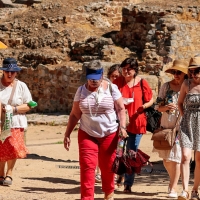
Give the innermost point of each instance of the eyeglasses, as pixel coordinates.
(176, 72)
(195, 71)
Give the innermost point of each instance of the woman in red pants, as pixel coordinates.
(98, 107)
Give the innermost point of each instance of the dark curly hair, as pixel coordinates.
(132, 63)
(113, 68)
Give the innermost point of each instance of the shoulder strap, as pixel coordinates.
(141, 85)
(109, 84)
(13, 91)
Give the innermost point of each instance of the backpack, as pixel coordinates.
(153, 115)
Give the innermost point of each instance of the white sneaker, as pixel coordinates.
(98, 178)
(184, 196)
(173, 195)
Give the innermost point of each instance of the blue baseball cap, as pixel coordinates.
(10, 65)
(92, 74)
(94, 70)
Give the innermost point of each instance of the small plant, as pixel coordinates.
(52, 123)
(59, 142)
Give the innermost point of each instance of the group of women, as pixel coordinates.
(100, 105)
(179, 99)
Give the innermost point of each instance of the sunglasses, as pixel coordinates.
(195, 71)
(9, 71)
(176, 72)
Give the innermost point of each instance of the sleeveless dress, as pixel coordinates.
(190, 124)
(168, 121)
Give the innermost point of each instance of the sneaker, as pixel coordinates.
(173, 195)
(184, 196)
(98, 178)
(195, 195)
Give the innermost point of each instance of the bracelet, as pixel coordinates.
(15, 111)
(123, 127)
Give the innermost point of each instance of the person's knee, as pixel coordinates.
(186, 158)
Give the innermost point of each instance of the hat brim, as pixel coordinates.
(193, 66)
(93, 76)
(182, 69)
(10, 70)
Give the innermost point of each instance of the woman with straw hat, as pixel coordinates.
(190, 128)
(168, 97)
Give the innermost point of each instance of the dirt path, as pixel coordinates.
(50, 172)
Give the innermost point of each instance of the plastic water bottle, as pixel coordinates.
(32, 104)
(171, 113)
(120, 147)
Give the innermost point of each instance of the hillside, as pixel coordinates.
(44, 33)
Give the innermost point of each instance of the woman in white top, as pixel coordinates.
(96, 104)
(13, 147)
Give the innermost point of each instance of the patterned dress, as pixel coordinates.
(168, 121)
(190, 124)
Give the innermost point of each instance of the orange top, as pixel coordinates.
(137, 121)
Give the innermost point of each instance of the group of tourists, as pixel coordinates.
(101, 105)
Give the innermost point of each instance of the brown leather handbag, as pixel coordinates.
(164, 138)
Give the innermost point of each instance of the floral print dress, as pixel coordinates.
(168, 120)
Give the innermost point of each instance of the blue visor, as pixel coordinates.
(92, 74)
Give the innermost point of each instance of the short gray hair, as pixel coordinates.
(94, 64)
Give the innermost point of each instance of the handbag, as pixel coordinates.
(130, 162)
(153, 115)
(164, 138)
(7, 117)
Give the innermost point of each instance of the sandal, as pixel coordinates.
(7, 182)
(2, 180)
(120, 181)
(127, 189)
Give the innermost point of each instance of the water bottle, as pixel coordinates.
(120, 147)
(32, 104)
(171, 112)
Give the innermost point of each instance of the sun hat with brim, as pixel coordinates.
(92, 73)
(194, 62)
(180, 65)
(10, 65)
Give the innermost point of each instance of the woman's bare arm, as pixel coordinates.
(181, 97)
(74, 117)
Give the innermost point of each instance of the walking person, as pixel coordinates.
(137, 97)
(13, 147)
(112, 74)
(96, 107)
(168, 99)
(189, 107)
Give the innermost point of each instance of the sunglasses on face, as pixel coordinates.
(8, 72)
(176, 72)
(194, 71)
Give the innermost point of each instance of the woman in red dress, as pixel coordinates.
(137, 97)
(13, 146)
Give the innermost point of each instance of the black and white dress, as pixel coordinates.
(190, 124)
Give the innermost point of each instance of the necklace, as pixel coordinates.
(96, 106)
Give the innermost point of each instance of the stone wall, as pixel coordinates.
(54, 89)
(159, 36)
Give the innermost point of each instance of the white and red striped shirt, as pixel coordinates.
(98, 115)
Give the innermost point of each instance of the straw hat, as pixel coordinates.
(194, 62)
(180, 65)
